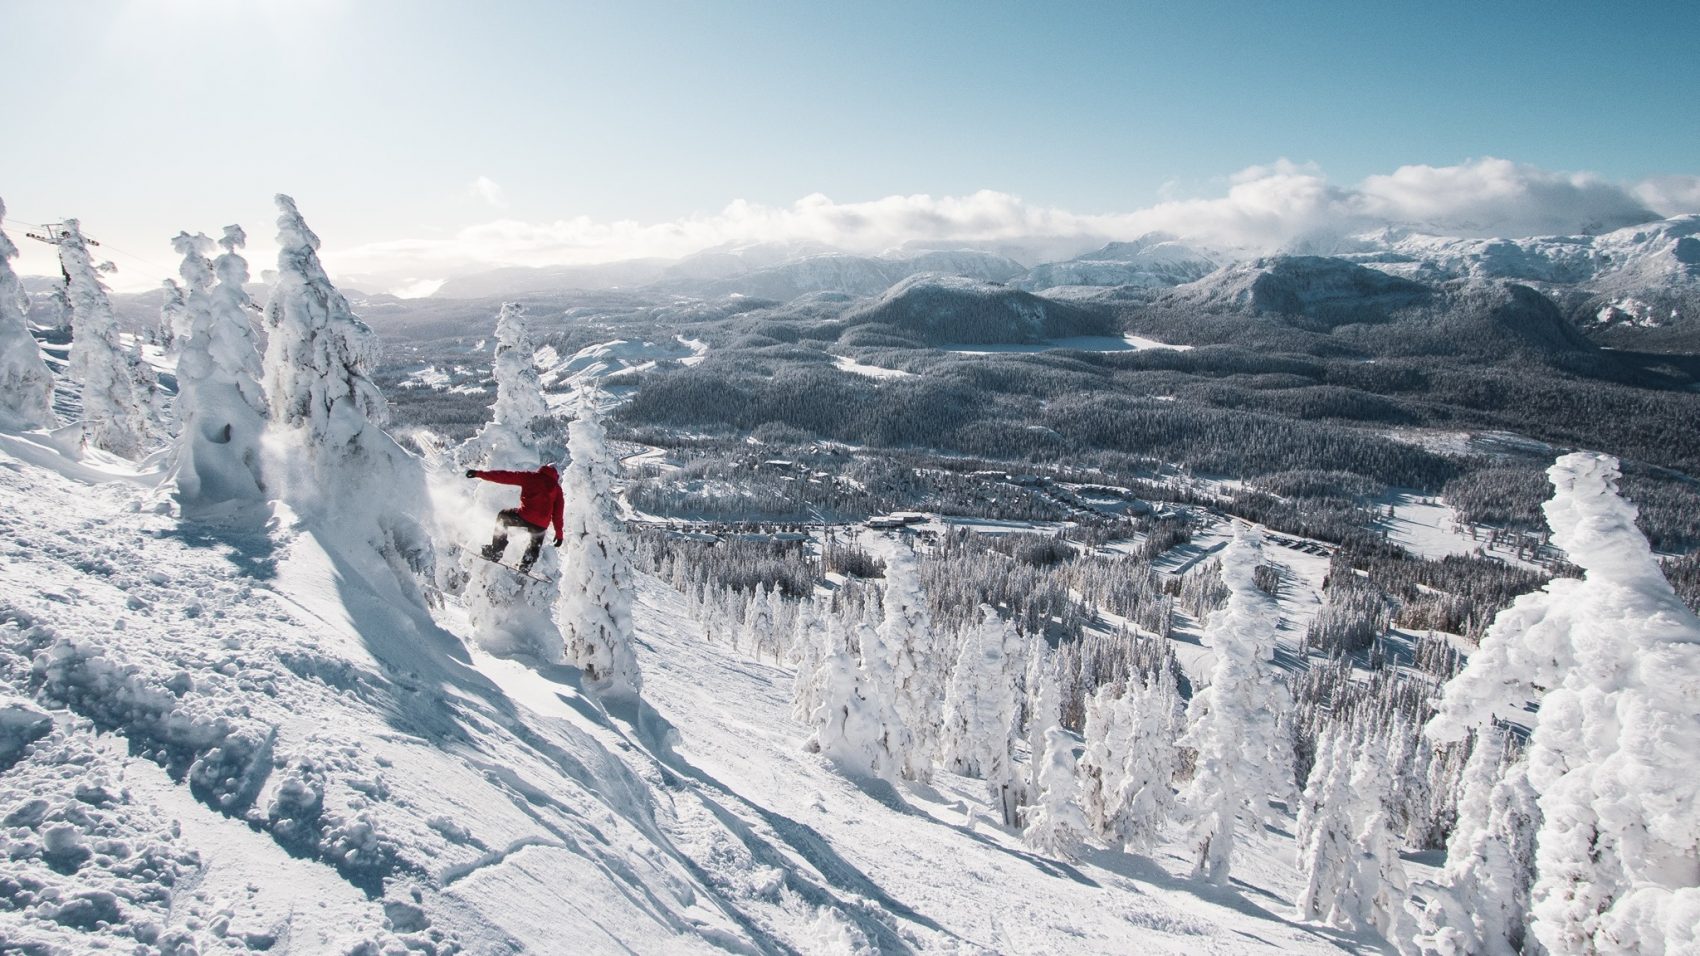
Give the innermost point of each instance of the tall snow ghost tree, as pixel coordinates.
(512, 438)
(1130, 760)
(1348, 850)
(906, 633)
(119, 390)
(816, 633)
(980, 710)
(319, 354)
(335, 460)
(221, 411)
(854, 724)
(595, 604)
(1481, 905)
(1044, 707)
(1238, 725)
(510, 612)
(173, 314)
(1614, 755)
(26, 386)
(1055, 824)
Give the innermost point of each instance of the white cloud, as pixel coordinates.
(1670, 195)
(417, 288)
(490, 191)
(1264, 208)
(1498, 197)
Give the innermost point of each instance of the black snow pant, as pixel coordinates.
(499, 544)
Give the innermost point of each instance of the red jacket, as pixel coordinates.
(540, 501)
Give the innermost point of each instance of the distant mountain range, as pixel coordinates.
(1636, 288)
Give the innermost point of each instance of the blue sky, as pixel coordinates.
(147, 116)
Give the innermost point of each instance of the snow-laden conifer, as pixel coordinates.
(26, 385)
(318, 352)
(220, 409)
(1102, 741)
(511, 612)
(1348, 839)
(981, 708)
(1055, 824)
(1129, 760)
(332, 457)
(120, 414)
(1481, 905)
(594, 609)
(759, 621)
(1324, 828)
(173, 314)
(1612, 754)
(906, 634)
(814, 634)
(1044, 708)
(846, 729)
(1237, 725)
(521, 405)
(856, 724)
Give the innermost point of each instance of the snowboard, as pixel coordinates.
(523, 574)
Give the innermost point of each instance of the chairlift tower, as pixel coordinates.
(57, 234)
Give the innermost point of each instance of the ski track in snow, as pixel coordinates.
(258, 742)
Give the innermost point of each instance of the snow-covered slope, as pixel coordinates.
(1638, 279)
(949, 309)
(1298, 285)
(1651, 254)
(1154, 261)
(842, 272)
(1370, 310)
(241, 737)
(609, 362)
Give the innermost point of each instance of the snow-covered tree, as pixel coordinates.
(1614, 659)
(1324, 828)
(173, 313)
(1238, 724)
(814, 634)
(1129, 761)
(508, 612)
(1481, 905)
(906, 633)
(318, 353)
(595, 605)
(334, 460)
(119, 389)
(54, 312)
(847, 727)
(26, 386)
(514, 436)
(1348, 844)
(221, 412)
(1044, 708)
(759, 624)
(856, 724)
(981, 708)
(1103, 738)
(1055, 824)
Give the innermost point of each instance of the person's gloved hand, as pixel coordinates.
(558, 540)
(472, 473)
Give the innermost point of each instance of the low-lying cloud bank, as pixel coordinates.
(1264, 208)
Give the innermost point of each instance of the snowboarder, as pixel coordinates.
(540, 505)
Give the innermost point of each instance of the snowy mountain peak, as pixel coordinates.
(1299, 285)
(1153, 261)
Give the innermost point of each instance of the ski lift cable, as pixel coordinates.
(93, 242)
